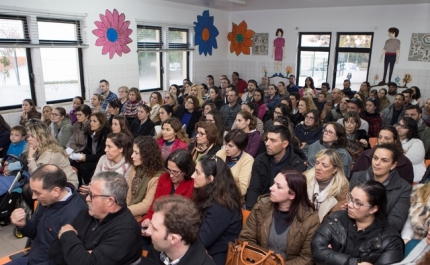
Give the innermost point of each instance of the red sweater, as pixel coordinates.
(164, 187)
(178, 144)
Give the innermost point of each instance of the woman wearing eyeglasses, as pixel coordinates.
(327, 184)
(61, 126)
(144, 175)
(310, 130)
(280, 110)
(189, 114)
(131, 106)
(179, 167)
(361, 235)
(398, 190)
(334, 137)
(413, 147)
(219, 202)
(123, 97)
(207, 140)
(172, 137)
(239, 162)
(284, 220)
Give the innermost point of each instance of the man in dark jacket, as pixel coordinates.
(106, 233)
(58, 205)
(174, 232)
(279, 156)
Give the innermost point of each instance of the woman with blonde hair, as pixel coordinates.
(327, 184)
(304, 106)
(44, 149)
(171, 100)
(172, 137)
(123, 96)
(196, 90)
(46, 114)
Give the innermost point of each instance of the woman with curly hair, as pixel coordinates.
(304, 105)
(146, 170)
(172, 137)
(216, 195)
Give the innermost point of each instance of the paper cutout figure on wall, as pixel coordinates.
(391, 52)
(278, 52)
(205, 33)
(113, 33)
(240, 38)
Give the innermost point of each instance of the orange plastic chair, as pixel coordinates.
(373, 141)
(427, 162)
(245, 214)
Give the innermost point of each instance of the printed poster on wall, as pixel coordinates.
(260, 44)
(420, 47)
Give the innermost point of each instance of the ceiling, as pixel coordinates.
(227, 5)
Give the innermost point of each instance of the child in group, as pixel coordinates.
(322, 99)
(17, 137)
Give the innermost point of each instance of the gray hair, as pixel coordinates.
(114, 185)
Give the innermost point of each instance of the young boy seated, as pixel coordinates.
(322, 99)
(16, 147)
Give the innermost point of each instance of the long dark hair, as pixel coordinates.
(376, 196)
(395, 135)
(340, 133)
(261, 101)
(412, 128)
(150, 154)
(103, 124)
(219, 123)
(121, 140)
(297, 184)
(3, 124)
(222, 189)
(123, 124)
(183, 160)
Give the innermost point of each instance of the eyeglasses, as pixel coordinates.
(189, 102)
(208, 120)
(328, 132)
(401, 126)
(172, 172)
(55, 114)
(355, 203)
(310, 117)
(92, 196)
(200, 133)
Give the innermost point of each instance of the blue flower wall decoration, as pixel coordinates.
(205, 33)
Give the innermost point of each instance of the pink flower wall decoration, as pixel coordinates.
(113, 33)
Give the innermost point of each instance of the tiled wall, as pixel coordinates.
(215, 68)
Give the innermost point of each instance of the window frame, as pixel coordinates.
(312, 49)
(58, 44)
(25, 40)
(351, 50)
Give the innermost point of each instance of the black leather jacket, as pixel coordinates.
(378, 244)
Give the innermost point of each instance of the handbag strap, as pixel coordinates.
(270, 252)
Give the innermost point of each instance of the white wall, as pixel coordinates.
(124, 70)
(407, 18)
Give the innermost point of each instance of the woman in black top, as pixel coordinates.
(143, 125)
(189, 114)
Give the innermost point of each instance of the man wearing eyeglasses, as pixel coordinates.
(58, 205)
(106, 233)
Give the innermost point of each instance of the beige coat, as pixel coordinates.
(300, 233)
(141, 208)
(57, 159)
(241, 171)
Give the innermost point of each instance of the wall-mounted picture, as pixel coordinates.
(260, 44)
(420, 47)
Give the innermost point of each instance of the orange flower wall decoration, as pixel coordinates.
(240, 38)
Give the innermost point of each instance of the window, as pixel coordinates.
(162, 48)
(313, 59)
(353, 52)
(62, 71)
(150, 64)
(15, 63)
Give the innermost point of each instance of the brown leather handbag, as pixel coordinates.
(243, 253)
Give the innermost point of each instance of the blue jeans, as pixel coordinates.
(19, 261)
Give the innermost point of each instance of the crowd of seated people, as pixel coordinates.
(302, 162)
